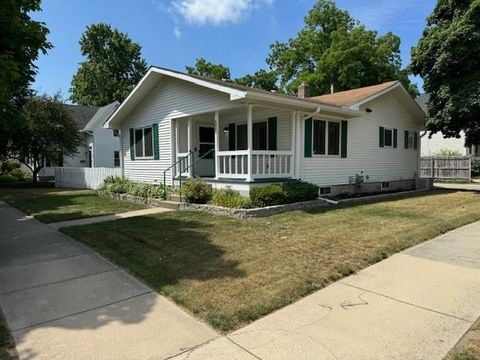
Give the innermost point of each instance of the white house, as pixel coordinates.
(101, 147)
(437, 142)
(175, 124)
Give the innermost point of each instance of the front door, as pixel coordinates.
(205, 166)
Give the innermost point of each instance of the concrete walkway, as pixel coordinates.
(99, 219)
(474, 186)
(414, 305)
(63, 301)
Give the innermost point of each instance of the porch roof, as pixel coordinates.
(238, 93)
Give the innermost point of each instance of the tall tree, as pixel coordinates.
(47, 133)
(113, 66)
(447, 57)
(21, 41)
(262, 79)
(333, 48)
(210, 70)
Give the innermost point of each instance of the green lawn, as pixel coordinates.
(53, 205)
(7, 347)
(230, 272)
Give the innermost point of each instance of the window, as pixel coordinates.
(260, 136)
(55, 160)
(388, 137)
(116, 158)
(116, 133)
(326, 137)
(242, 137)
(143, 143)
(385, 185)
(325, 190)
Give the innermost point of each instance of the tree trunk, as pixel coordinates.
(35, 175)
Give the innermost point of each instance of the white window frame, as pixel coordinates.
(327, 123)
(385, 137)
(143, 142)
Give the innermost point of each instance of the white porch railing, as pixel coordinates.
(183, 163)
(264, 164)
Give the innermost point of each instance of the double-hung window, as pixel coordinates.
(116, 158)
(326, 137)
(143, 143)
(388, 137)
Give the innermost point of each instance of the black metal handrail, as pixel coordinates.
(183, 158)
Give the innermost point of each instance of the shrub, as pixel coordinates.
(298, 191)
(230, 199)
(18, 173)
(268, 195)
(7, 166)
(116, 185)
(475, 169)
(196, 191)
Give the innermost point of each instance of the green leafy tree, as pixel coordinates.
(21, 41)
(333, 48)
(48, 131)
(210, 70)
(447, 57)
(112, 68)
(262, 79)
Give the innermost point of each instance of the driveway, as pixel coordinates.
(63, 301)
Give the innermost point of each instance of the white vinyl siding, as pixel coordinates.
(171, 98)
(364, 153)
(432, 146)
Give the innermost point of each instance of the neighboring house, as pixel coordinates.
(433, 145)
(241, 137)
(101, 147)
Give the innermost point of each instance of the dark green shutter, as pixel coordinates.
(344, 138)
(382, 136)
(395, 136)
(272, 133)
(406, 139)
(132, 145)
(415, 140)
(231, 137)
(308, 137)
(156, 146)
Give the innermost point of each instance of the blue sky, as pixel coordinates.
(236, 33)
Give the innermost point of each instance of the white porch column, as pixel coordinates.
(217, 143)
(249, 141)
(292, 145)
(189, 145)
(177, 137)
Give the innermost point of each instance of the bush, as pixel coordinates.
(7, 166)
(116, 185)
(230, 199)
(298, 191)
(196, 191)
(268, 195)
(476, 170)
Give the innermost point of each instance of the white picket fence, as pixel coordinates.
(83, 178)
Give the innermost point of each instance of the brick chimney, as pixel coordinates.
(303, 91)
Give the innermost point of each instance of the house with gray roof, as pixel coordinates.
(101, 147)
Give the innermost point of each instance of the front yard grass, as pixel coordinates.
(230, 272)
(469, 346)
(53, 205)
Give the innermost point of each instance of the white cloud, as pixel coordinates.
(177, 32)
(216, 12)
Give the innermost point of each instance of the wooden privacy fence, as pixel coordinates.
(83, 178)
(446, 168)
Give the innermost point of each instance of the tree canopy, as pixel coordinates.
(333, 48)
(21, 41)
(47, 133)
(447, 57)
(113, 66)
(210, 70)
(262, 79)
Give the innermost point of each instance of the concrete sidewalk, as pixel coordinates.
(413, 305)
(99, 219)
(63, 301)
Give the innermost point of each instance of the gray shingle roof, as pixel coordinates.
(422, 101)
(81, 114)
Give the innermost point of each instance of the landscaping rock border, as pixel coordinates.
(257, 212)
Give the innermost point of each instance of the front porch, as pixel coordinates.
(246, 144)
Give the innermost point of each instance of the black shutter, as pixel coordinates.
(272, 133)
(406, 139)
(231, 137)
(344, 138)
(382, 137)
(415, 140)
(132, 145)
(308, 137)
(395, 136)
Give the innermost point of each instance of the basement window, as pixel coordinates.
(325, 190)
(385, 185)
